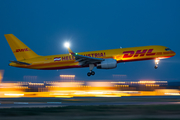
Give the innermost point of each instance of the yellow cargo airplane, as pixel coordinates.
(103, 59)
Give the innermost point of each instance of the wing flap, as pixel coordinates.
(85, 60)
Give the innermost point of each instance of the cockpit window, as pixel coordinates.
(167, 49)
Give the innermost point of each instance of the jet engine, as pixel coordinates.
(107, 64)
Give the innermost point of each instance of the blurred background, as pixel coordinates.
(132, 91)
(68, 86)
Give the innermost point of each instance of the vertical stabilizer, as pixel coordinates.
(20, 50)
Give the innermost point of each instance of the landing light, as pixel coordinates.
(157, 61)
(66, 44)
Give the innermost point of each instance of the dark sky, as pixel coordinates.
(44, 25)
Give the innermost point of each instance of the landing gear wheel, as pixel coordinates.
(156, 67)
(88, 74)
(92, 73)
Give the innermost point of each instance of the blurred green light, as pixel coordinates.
(76, 53)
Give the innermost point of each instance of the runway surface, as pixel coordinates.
(41, 105)
(87, 101)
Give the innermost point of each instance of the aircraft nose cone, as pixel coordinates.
(173, 53)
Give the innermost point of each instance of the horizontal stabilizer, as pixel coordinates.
(23, 63)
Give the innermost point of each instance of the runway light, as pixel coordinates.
(67, 44)
(66, 76)
(14, 94)
(143, 82)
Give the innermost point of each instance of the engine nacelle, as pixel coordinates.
(107, 64)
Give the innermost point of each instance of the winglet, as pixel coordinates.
(70, 51)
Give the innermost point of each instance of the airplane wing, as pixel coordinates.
(23, 63)
(85, 60)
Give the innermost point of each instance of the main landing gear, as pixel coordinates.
(156, 63)
(91, 66)
(90, 73)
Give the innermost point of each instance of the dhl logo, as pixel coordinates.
(22, 50)
(138, 53)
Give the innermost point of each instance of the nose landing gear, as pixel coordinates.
(155, 66)
(156, 63)
(91, 66)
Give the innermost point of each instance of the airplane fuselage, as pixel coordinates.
(63, 61)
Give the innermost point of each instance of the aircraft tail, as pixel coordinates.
(20, 50)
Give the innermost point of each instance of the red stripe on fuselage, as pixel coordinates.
(131, 60)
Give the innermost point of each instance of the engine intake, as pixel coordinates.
(107, 64)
